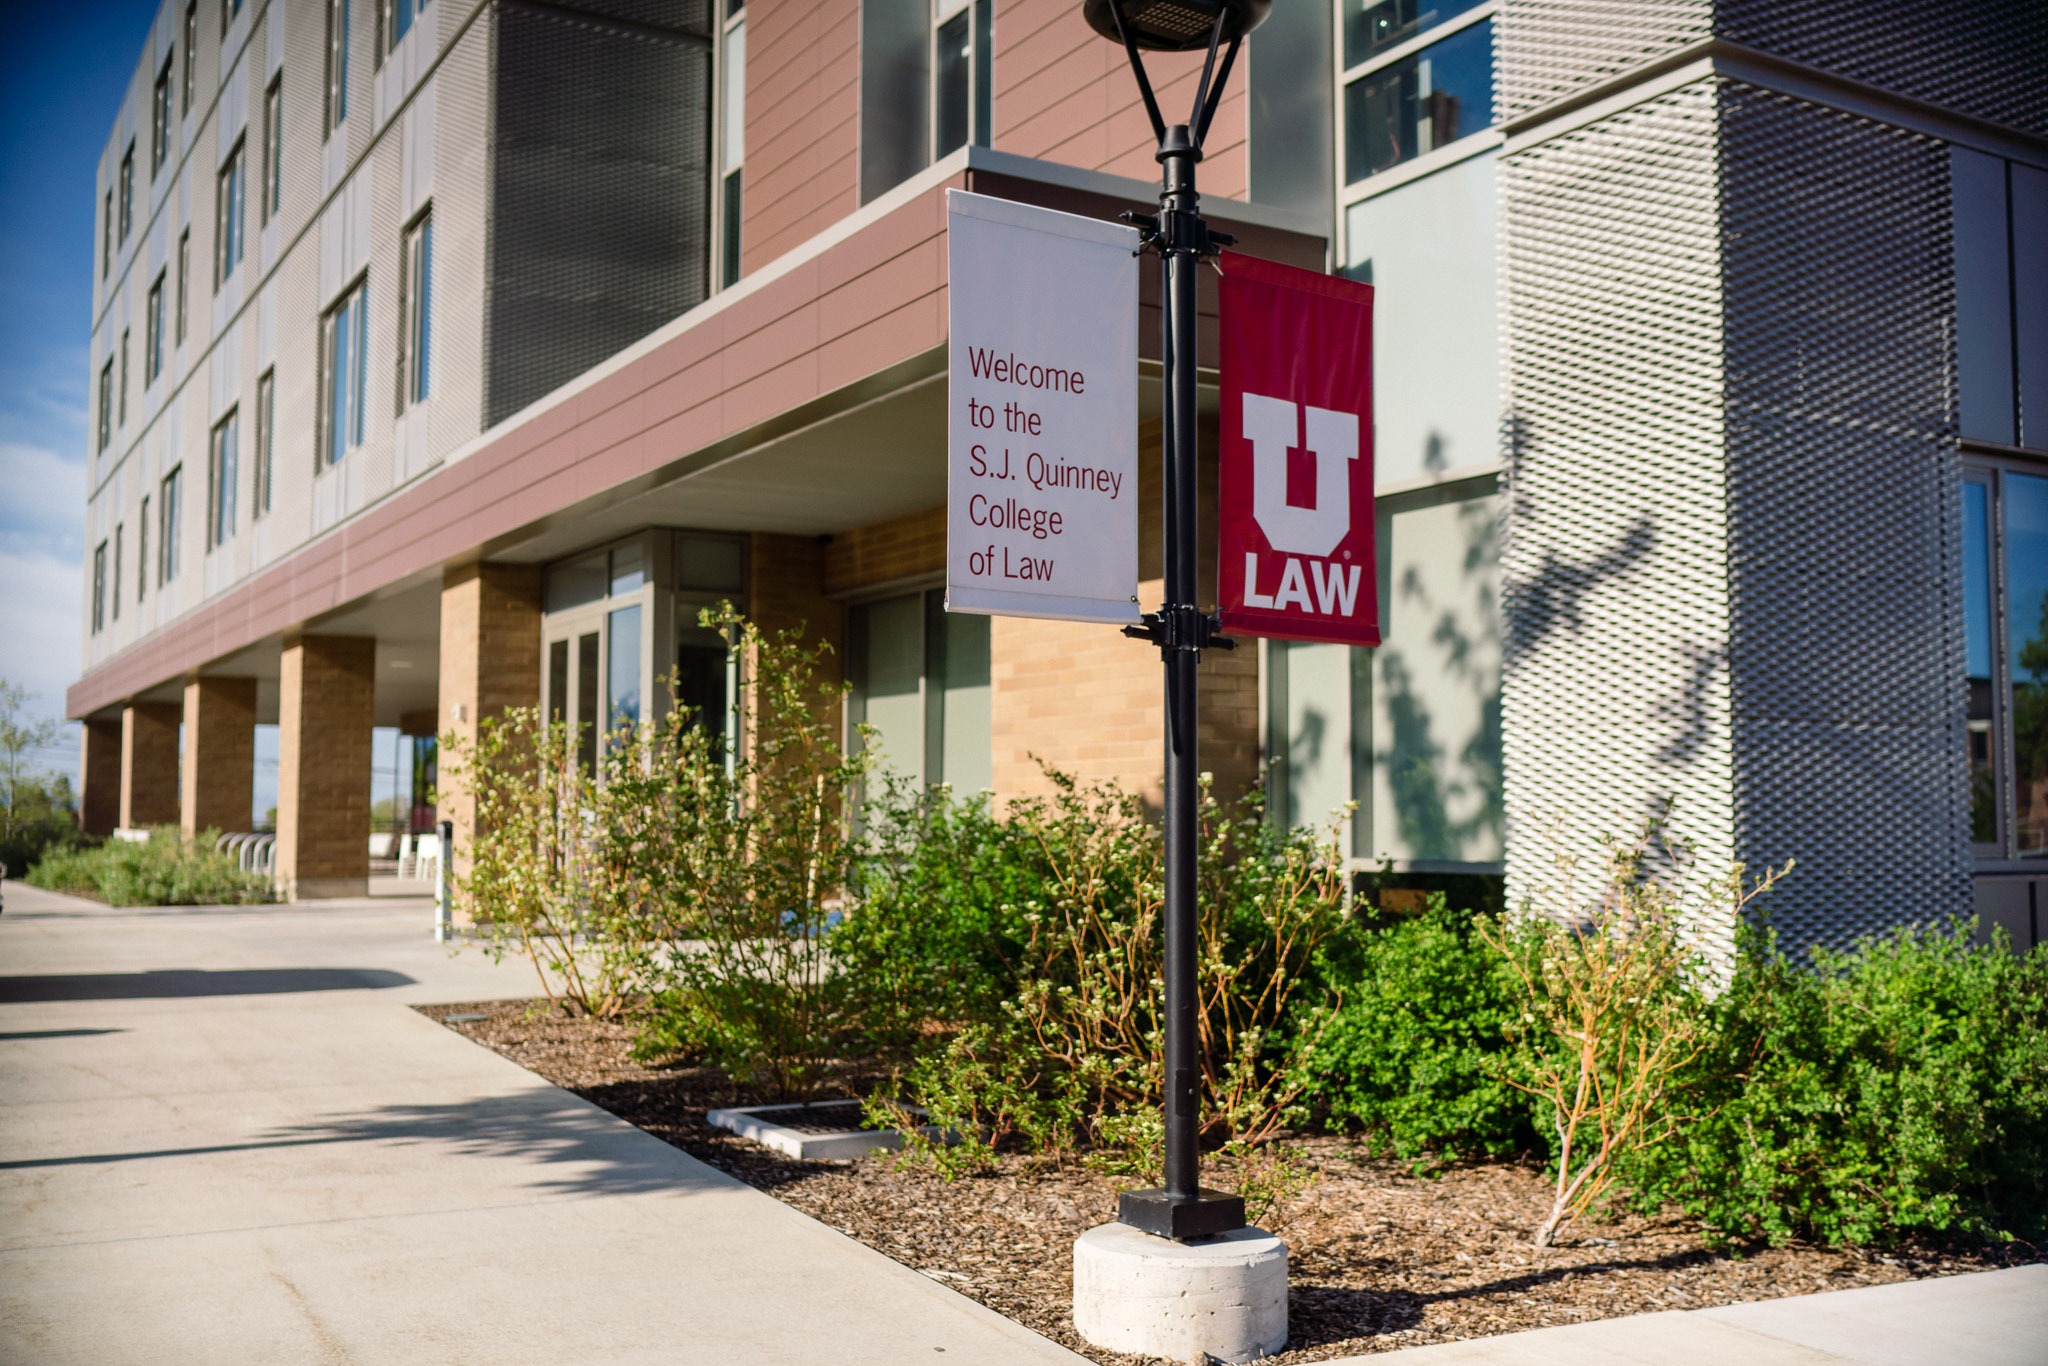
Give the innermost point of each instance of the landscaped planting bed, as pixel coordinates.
(1381, 1258)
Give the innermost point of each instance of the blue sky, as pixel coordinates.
(62, 74)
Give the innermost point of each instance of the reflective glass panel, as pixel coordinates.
(709, 562)
(2026, 587)
(629, 563)
(1421, 103)
(1373, 26)
(623, 669)
(952, 57)
(586, 701)
(575, 583)
(1977, 650)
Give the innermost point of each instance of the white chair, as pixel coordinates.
(383, 845)
(426, 859)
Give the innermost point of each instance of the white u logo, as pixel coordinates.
(1272, 425)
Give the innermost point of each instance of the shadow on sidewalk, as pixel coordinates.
(171, 982)
(579, 1150)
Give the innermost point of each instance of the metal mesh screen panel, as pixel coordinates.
(1844, 585)
(1549, 49)
(1614, 584)
(600, 191)
(1983, 57)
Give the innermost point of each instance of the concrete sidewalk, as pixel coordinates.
(224, 1138)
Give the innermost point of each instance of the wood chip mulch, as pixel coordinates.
(1379, 1258)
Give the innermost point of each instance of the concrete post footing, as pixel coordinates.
(1223, 1297)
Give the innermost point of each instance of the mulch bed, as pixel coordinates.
(1379, 1258)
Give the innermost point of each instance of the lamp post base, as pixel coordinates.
(1207, 1215)
(1224, 1297)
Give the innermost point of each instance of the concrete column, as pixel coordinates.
(490, 661)
(99, 777)
(218, 765)
(326, 691)
(149, 763)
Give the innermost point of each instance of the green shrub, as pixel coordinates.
(41, 816)
(1898, 1089)
(1069, 937)
(167, 870)
(1414, 1055)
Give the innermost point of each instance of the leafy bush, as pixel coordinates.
(41, 815)
(1070, 1054)
(1414, 1055)
(168, 870)
(1900, 1088)
(743, 848)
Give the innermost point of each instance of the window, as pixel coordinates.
(395, 18)
(266, 423)
(184, 275)
(732, 140)
(228, 10)
(1372, 27)
(142, 551)
(153, 334)
(160, 120)
(344, 339)
(114, 581)
(189, 80)
(169, 495)
(127, 192)
(337, 63)
(272, 195)
(415, 320)
(2005, 632)
(107, 237)
(106, 429)
(123, 416)
(229, 192)
(99, 587)
(925, 85)
(1396, 106)
(595, 661)
(960, 74)
(222, 458)
(920, 679)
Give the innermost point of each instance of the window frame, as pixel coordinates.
(107, 237)
(106, 412)
(416, 311)
(334, 100)
(142, 551)
(190, 73)
(170, 491)
(1989, 467)
(160, 118)
(153, 332)
(99, 588)
(127, 192)
(357, 297)
(266, 423)
(223, 476)
(980, 28)
(230, 203)
(730, 184)
(114, 578)
(121, 399)
(270, 197)
(184, 279)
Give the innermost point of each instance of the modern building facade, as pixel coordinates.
(449, 355)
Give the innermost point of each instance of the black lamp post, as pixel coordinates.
(1180, 629)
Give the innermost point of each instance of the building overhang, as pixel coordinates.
(747, 412)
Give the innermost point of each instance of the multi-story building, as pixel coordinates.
(482, 341)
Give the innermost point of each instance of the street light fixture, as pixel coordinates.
(1181, 1210)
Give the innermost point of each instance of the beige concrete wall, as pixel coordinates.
(325, 714)
(218, 766)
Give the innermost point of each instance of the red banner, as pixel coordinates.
(1295, 553)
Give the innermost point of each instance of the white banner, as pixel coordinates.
(1042, 422)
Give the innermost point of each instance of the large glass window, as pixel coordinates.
(2005, 621)
(960, 74)
(920, 678)
(169, 511)
(398, 16)
(1373, 27)
(160, 120)
(1400, 110)
(344, 339)
(732, 77)
(926, 69)
(230, 190)
(337, 64)
(416, 323)
(223, 459)
(1409, 732)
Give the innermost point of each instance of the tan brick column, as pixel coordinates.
(149, 763)
(219, 761)
(324, 716)
(99, 777)
(786, 591)
(490, 660)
